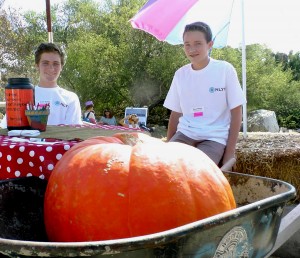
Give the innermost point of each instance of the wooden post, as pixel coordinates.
(49, 26)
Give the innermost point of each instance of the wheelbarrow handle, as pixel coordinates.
(228, 165)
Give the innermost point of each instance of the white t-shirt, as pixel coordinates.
(64, 105)
(205, 98)
(91, 115)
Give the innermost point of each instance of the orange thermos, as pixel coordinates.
(19, 93)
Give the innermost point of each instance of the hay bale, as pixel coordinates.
(273, 155)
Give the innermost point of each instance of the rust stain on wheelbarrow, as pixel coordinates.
(250, 230)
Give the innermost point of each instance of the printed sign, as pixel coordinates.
(142, 113)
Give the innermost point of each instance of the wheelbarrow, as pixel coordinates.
(250, 230)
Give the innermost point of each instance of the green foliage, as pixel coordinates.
(13, 55)
(294, 65)
(93, 71)
(290, 62)
(270, 84)
(286, 104)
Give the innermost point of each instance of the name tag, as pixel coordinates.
(198, 111)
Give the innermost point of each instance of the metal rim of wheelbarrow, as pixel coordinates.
(129, 244)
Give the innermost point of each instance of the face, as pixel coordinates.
(133, 119)
(49, 68)
(196, 48)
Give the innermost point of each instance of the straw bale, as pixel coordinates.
(273, 155)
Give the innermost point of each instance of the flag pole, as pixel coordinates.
(49, 27)
(244, 77)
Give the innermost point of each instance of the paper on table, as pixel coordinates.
(32, 140)
(23, 133)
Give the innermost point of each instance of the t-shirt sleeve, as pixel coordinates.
(92, 115)
(73, 114)
(172, 100)
(235, 94)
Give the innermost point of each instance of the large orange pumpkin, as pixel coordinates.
(103, 189)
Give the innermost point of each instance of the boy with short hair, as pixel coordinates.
(64, 105)
(205, 99)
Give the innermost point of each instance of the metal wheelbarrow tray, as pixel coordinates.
(247, 231)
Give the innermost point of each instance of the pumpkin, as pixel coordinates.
(104, 189)
(135, 137)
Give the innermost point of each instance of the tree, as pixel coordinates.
(294, 65)
(93, 71)
(11, 47)
(117, 66)
(126, 67)
(269, 85)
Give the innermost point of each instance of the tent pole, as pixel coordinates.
(50, 37)
(49, 26)
(244, 78)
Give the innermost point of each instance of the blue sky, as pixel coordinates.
(274, 23)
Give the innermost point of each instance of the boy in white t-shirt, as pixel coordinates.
(205, 99)
(64, 105)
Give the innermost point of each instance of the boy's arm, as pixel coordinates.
(173, 122)
(235, 126)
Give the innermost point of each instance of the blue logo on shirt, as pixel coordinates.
(58, 103)
(213, 90)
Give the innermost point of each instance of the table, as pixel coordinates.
(84, 131)
(21, 157)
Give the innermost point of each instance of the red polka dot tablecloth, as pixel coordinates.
(20, 157)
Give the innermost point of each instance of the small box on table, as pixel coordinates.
(38, 119)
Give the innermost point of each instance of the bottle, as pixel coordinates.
(19, 92)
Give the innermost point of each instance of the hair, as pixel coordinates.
(133, 118)
(199, 26)
(49, 48)
(110, 113)
(88, 107)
